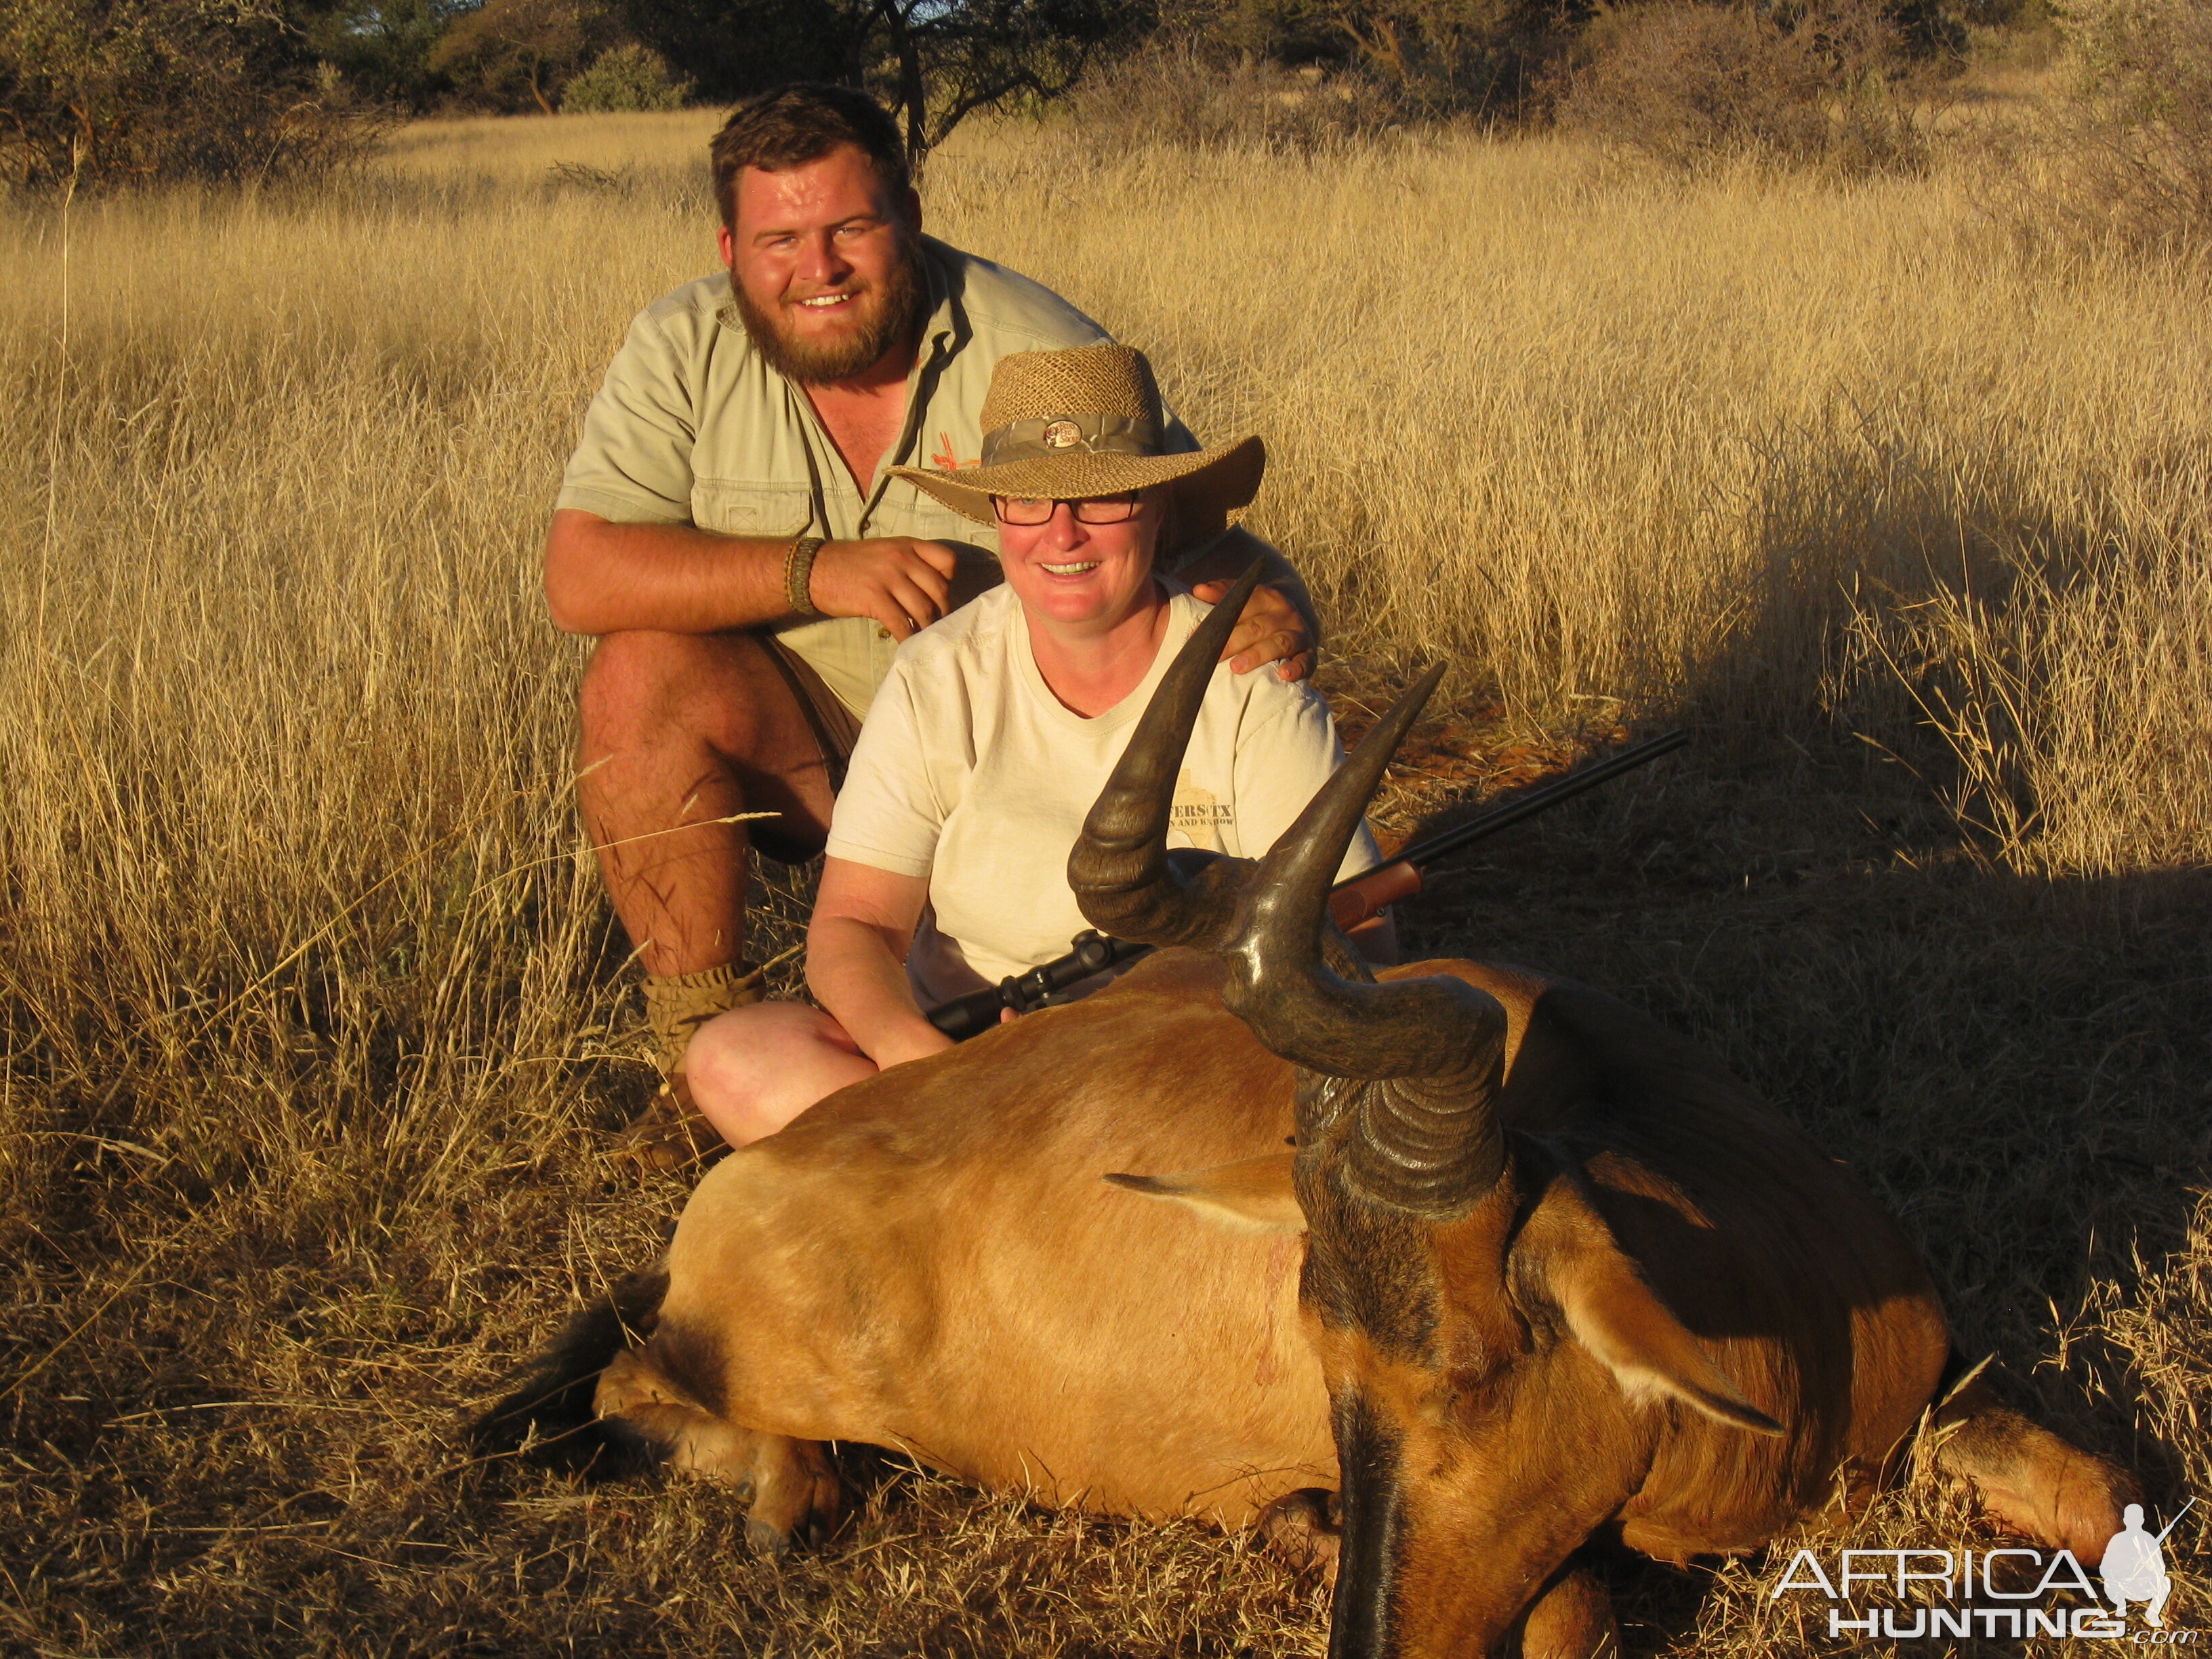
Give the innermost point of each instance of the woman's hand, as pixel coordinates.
(1270, 630)
(856, 946)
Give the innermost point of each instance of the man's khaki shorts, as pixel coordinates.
(836, 728)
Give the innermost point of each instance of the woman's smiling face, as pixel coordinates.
(1086, 576)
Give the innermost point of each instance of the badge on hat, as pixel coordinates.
(1060, 434)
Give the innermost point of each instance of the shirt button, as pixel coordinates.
(882, 632)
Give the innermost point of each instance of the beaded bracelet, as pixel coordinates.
(799, 573)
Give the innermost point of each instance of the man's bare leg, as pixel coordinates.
(688, 730)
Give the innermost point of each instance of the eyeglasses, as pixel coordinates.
(1098, 509)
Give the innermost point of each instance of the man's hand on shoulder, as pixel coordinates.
(902, 583)
(1270, 630)
(1278, 625)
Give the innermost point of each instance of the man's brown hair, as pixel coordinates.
(803, 122)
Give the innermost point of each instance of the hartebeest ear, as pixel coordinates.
(1574, 1263)
(1255, 1193)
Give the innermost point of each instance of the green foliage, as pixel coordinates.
(1175, 94)
(2131, 148)
(1450, 55)
(1294, 33)
(511, 55)
(2147, 62)
(734, 48)
(631, 77)
(1430, 57)
(381, 48)
(103, 92)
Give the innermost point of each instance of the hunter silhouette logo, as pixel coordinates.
(1997, 1592)
(2134, 1566)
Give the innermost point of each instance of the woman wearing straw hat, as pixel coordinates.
(946, 865)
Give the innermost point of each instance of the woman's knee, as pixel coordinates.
(753, 1069)
(733, 1053)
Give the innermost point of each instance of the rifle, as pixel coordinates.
(1350, 902)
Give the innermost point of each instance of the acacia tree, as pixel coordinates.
(505, 51)
(953, 60)
(935, 62)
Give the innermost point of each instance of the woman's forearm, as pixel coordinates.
(855, 975)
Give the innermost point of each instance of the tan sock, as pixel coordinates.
(677, 1005)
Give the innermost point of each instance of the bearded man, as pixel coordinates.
(729, 529)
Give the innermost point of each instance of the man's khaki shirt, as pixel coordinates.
(691, 427)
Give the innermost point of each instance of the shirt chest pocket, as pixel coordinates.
(737, 507)
(906, 510)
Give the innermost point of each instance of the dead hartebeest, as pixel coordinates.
(1538, 1272)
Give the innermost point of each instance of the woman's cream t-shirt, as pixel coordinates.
(970, 773)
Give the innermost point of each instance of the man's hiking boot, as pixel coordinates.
(671, 1133)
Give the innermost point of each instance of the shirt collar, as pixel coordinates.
(947, 323)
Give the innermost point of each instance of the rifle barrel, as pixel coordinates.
(1537, 800)
(2176, 1522)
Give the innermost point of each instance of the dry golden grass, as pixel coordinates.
(310, 1010)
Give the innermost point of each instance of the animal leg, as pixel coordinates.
(795, 1496)
(1570, 1619)
(1301, 1528)
(2027, 1477)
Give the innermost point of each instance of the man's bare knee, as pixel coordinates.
(643, 688)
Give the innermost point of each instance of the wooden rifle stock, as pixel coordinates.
(1365, 897)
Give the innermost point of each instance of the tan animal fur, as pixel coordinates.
(930, 1260)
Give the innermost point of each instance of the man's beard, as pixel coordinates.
(887, 316)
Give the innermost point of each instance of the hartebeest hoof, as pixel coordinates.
(798, 1498)
(1302, 1529)
(792, 1492)
(1571, 1619)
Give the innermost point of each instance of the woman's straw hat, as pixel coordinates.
(1068, 425)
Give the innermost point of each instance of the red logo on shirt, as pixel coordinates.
(944, 457)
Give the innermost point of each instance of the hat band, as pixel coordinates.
(1070, 434)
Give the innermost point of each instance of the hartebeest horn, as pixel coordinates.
(1119, 868)
(1429, 1142)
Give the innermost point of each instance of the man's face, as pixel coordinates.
(825, 265)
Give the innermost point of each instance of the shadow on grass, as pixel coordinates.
(2020, 1066)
